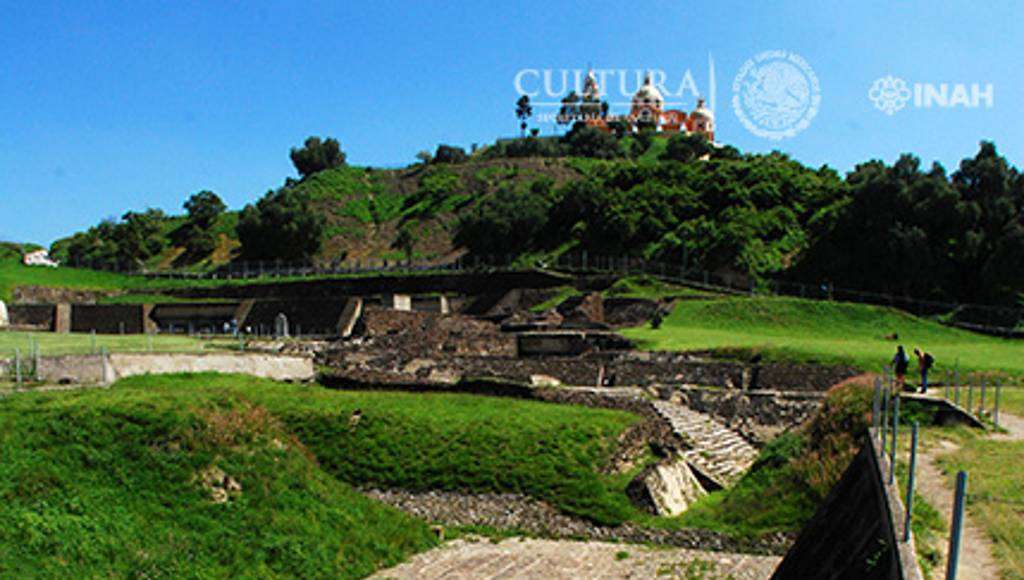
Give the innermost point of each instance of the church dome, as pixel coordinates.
(648, 95)
(702, 111)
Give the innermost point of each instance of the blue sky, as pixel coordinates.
(110, 106)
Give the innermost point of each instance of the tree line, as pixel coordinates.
(895, 228)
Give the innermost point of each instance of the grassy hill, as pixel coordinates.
(133, 480)
(832, 332)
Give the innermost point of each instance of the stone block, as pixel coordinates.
(667, 488)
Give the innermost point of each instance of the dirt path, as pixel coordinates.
(555, 560)
(975, 548)
(976, 559)
(1014, 426)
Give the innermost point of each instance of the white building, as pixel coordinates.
(39, 258)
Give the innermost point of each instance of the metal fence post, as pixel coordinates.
(876, 404)
(35, 361)
(982, 408)
(910, 482)
(17, 366)
(893, 443)
(885, 418)
(945, 386)
(995, 410)
(956, 387)
(970, 397)
(956, 526)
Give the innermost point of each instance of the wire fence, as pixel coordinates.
(996, 320)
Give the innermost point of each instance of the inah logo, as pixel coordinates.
(776, 94)
(889, 93)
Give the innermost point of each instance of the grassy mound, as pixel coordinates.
(124, 483)
(140, 479)
(830, 332)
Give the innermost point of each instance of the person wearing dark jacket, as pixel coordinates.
(925, 362)
(900, 363)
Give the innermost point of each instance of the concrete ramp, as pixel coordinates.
(946, 412)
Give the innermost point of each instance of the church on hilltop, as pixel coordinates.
(647, 111)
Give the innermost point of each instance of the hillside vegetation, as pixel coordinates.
(131, 481)
(830, 332)
(899, 229)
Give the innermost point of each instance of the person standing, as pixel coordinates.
(900, 363)
(925, 362)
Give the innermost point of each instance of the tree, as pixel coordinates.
(317, 155)
(585, 141)
(139, 236)
(450, 154)
(204, 208)
(570, 110)
(424, 157)
(686, 147)
(405, 240)
(280, 226)
(523, 112)
(197, 234)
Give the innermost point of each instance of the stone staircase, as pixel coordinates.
(718, 453)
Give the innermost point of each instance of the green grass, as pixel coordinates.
(771, 497)
(829, 332)
(562, 294)
(995, 498)
(52, 343)
(110, 484)
(651, 288)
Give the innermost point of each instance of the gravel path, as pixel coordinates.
(554, 560)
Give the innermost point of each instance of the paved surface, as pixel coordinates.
(552, 560)
(718, 452)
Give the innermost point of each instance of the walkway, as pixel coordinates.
(976, 559)
(479, 558)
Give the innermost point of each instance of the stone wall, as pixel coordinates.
(46, 295)
(31, 316)
(97, 369)
(511, 511)
(759, 416)
(461, 283)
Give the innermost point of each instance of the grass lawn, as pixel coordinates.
(830, 332)
(111, 482)
(995, 497)
(52, 343)
(122, 483)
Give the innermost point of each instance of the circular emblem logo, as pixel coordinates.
(776, 94)
(889, 94)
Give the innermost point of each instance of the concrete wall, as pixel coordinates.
(269, 366)
(854, 532)
(95, 369)
(74, 369)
